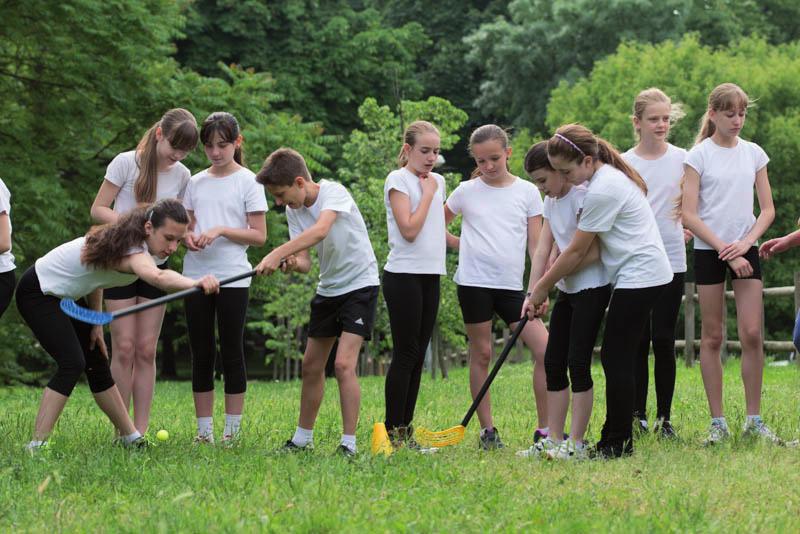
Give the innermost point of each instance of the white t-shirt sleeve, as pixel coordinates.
(455, 201)
(535, 206)
(336, 198)
(185, 178)
(295, 228)
(761, 157)
(599, 212)
(188, 202)
(394, 181)
(118, 170)
(694, 159)
(5, 199)
(255, 198)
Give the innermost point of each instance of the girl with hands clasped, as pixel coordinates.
(227, 214)
(717, 206)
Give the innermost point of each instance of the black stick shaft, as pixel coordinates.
(176, 296)
(495, 370)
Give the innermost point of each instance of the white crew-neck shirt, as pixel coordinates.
(494, 231)
(123, 172)
(346, 259)
(630, 245)
(727, 179)
(222, 201)
(562, 215)
(6, 258)
(663, 178)
(62, 274)
(426, 254)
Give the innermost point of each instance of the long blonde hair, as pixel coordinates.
(573, 142)
(654, 95)
(179, 127)
(724, 97)
(414, 130)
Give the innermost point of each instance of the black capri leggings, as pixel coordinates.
(627, 313)
(660, 327)
(230, 308)
(7, 282)
(574, 322)
(413, 302)
(65, 339)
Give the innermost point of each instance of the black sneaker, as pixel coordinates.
(290, 446)
(344, 450)
(610, 451)
(490, 439)
(663, 429)
(538, 436)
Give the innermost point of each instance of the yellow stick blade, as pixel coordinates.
(442, 438)
(380, 440)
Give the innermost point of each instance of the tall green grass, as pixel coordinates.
(83, 483)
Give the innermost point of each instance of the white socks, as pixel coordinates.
(205, 426)
(349, 441)
(303, 437)
(232, 424)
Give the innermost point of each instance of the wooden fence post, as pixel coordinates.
(688, 324)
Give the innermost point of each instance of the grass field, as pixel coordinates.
(83, 483)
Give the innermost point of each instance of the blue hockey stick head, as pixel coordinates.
(74, 310)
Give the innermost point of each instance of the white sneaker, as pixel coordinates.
(203, 439)
(538, 449)
(717, 433)
(757, 429)
(568, 450)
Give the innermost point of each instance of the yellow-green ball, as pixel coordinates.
(162, 435)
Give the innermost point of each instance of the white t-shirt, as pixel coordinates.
(630, 245)
(562, 215)
(426, 254)
(663, 178)
(6, 258)
(494, 231)
(346, 259)
(224, 201)
(123, 172)
(62, 274)
(727, 178)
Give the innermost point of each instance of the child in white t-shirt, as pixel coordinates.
(150, 172)
(501, 220)
(7, 278)
(576, 315)
(227, 214)
(660, 164)
(616, 212)
(324, 215)
(717, 206)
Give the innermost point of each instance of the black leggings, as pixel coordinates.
(627, 313)
(230, 308)
(574, 323)
(413, 302)
(660, 327)
(7, 282)
(65, 339)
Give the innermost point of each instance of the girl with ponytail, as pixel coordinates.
(150, 172)
(111, 255)
(616, 212)
(227, 212)
(720, 173)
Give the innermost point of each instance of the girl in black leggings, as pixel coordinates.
(616, 212)
(413, 196)
(108, 256)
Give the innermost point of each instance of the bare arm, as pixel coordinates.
(101, 211)
(453, 241)
(143, 266)
(5, 233)
(568, 261)
(763, 222)
(307, 239)
(410, 223)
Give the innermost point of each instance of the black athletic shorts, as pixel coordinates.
(139, 288)
(352, 312)
(479, 304)
(709, 269)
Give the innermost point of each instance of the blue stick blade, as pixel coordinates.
(72, 309)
